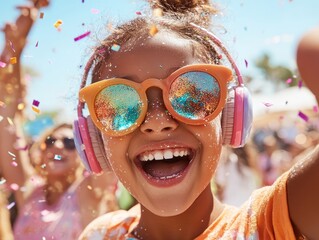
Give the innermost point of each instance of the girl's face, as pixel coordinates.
(59, 156)
(165, 187)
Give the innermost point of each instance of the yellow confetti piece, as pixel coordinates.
(35, 109)
(58, 23)
(13, 60)
(21, 106)
(153, 30)
(10, 121)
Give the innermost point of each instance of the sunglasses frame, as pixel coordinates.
(63, 140)
(221, 73)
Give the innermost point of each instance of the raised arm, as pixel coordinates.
(12, 94)
(303, 182)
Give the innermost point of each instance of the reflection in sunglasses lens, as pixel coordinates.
(118, 107)
(194, 95)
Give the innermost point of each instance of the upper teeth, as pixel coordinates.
(164, 154)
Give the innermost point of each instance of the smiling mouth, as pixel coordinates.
(166, 163)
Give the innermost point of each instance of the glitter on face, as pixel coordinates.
(118, 107)
(194, 95)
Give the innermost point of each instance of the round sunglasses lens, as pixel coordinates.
(194, 95)
(118, 107)
(49, 141)
(69, 143)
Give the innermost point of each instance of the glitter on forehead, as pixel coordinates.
(118, 107)
(195, 95)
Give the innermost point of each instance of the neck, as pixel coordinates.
(187, 225)
(56, 187)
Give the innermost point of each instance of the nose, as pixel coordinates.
(58, 144)
(157, 119)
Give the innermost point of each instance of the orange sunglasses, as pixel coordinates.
(193, 94)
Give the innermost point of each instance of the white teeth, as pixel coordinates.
(168, 154)
(164, 154)
(158, 155)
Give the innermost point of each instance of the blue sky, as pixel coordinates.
(249, 28)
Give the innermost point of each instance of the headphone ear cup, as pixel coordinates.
(237, 117)
(228, 118)
(84, 145)
(79, 145)
(98, 146)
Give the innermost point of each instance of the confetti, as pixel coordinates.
(11, 205)
(37, 44)
(315, 109)
(35, 106)
(15, 164)
(2, 181)
(95, 11)
(268, 104)
(35, 103)
(1, 118)
(246, 63)
(14, 186)
(41, 15)
(303, 116)
(289, 80)
(36, 110)
(3, 64)
(11, 154)
(153, 30)
(138, 13)
(300, 84)
(82, 36)
(13, 60)
(10, 121)
(57, 157)
(12, 47)
(115, 47)
(58, 23)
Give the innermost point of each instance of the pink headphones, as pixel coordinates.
(236, 117)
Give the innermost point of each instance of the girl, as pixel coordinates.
(158, 99)
(56, 199)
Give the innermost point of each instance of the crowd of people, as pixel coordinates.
(166, 149)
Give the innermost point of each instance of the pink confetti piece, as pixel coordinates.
(268, 104)
(25, 148)
(246, 63)
(289, 80)
(3, 64)
(138, 13)
(15, 164)
(300, 84)
(14, 186)
(315, 109)
(12, 47)
(35, 103)
(11, 205)
(303, 116)
(82, 36)
(95, 11)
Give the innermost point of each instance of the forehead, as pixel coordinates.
(62, 132)
(150, 57)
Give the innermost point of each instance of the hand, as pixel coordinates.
(41, 3)
(308, 60)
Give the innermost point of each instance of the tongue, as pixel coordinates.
(165, 168)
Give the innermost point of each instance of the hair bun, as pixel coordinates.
(179, 5)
